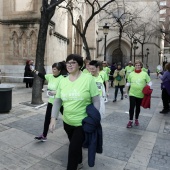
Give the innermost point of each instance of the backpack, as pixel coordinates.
(118, 78)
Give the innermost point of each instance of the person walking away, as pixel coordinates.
(53, 80)
(112, 68)
(119, 81)
(75, 92)
(165, 86)
(137, 80)
(128, 69)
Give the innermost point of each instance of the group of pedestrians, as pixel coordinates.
(72, 95)
(77, 89)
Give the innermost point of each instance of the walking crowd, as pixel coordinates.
(79, 90)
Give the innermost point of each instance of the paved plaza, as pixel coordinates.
(146, 147)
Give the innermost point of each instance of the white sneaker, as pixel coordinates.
(80, 166)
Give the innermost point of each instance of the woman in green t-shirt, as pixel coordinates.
(75, 92)
(59, 71)
(137, 80)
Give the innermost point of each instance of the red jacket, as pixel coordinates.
(146, 101)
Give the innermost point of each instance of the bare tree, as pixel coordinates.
(144, 34)
(122, 17)
(130, 31)
(47, 12)
(95, 7)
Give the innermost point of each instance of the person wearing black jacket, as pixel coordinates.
(28, 74)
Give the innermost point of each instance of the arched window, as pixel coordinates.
(33, 44)
(78, 40)
(15, 44)
(24, 45)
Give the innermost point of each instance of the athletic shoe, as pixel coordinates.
(80, 166)
(129, 125)
(136, 122)
(164, 111)
(40, 138)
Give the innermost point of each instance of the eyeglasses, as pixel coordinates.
(71, 63)
(104, 63)
(137, 65)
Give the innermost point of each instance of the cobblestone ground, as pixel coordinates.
(145, 147)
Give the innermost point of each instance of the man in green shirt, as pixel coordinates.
(128, 69)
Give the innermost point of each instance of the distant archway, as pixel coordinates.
(117, 55)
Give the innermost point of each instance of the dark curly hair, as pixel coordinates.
(75, 57)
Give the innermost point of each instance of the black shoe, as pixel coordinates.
(114, 100)
(121, 98)
(164, 111)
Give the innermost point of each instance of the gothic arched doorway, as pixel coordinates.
(117, 56)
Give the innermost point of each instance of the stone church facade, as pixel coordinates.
(19, 26)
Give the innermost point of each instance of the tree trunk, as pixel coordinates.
(37, 85)
(120, 37)
(131, 49)
(86, 47)
(142, 52)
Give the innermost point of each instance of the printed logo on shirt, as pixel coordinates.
(73, 95)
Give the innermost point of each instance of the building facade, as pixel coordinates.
(19, 26)
(165, 22)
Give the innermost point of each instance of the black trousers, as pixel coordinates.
(76, 138)
(134, 107)
(165, 99)
(48, 118)
(116, 90)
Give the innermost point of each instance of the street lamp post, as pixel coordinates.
(105, 31)
(134, 48)
(147, 56)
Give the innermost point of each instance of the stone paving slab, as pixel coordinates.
(145, 147)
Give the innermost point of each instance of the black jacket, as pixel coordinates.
(93, 133)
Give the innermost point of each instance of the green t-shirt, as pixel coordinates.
(128, 70)
(137, 82)
(107, 70)
(53, 83)
(86, 71)
(144, 69)
(76, 96)
(103, 75)
(99, 83)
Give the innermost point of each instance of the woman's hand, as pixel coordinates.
(52, 124)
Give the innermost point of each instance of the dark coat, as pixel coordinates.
(146, 101)
(28, 73)
(93, 133)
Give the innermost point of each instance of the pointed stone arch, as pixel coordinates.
(78, 39)
(24, 45)
(32, 44)
(115, 55)
(15, 44)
